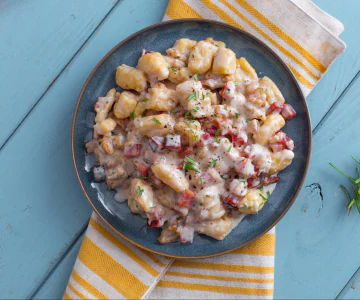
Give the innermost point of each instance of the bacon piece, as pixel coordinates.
(228, 92)
(141, 167)
(173, 142)
(156, 143)
(123, 123)
(277, 147)
(231, 200)
(266, 180)
(288, 112)
(154, 218)
(253, 182)
(186, 151)
(253, 126)
(282, 138)
(132, 151)
(275, 107)
(239, 138)
(186, 198)
(211, 131)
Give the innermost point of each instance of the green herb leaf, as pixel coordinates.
(196, 109)
(247, 120)
(223, 177)
(217, 135)
(196, 95)
(236, 115)
(191, 96)
(262, 196)
(201, 180)
(342, 172)
(132, 116)
(172, 111)
(140, 190)
(196, 77)
(144, 177)
(145, 99)
(172, 68)
(156, 121)
(268, 194)
(213, 163)
(146, 160)
(241, 179)
(229, 149)
(189, 166)
(358, 161)
(188, 159)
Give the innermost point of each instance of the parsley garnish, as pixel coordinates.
(196, 77)
(132, 116)
(217, 135)
(172, 68)
(188, 159)
(223, 177)
(196, 95)
(227, 92)
(201, 180)
(229, 149)
(241, 179)
(140, 190)
(236, 115)
(145, 99)
(262, 196)
(156, 121)
(191, 96)
(213, 163)
(144, 177)
(247, 120)
(172, 111)
(196, 109)
(146, 160)
(189, 166)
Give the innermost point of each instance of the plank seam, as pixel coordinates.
(59, 74)
(347, 286)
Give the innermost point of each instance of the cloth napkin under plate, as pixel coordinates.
(108, 267)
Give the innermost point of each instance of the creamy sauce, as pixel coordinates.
(185, 156)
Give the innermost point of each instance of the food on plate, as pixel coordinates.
(193, 139)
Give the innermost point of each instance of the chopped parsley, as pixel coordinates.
(146, 160)
(213, 163)
(172, 68)
(156, 121)
(229, 149)
(236, 115)
(140, 190)
(196, 109)
(152, 206)
(227, 92)
(262, 196)
(192, 96)
(188, 159)
(132, 116)
(196, 95)
(201, 180)
(217, 135)
(177, 56)
(145, 99)
(189, 166)
(223, 177)
(172, 111)
(203, 96)
(247, 120)
(268, 194)
(144, 177)
(241, 179)
(196, 77)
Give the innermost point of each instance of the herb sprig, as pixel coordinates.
(355, 183)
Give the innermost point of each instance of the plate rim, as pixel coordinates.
(206, 21)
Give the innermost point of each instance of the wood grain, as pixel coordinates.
(38, 38)
(43, 208)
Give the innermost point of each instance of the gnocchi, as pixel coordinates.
(194, 139)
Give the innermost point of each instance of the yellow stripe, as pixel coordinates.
(280, 33)
(153, 258)
(223, 15)
(223, 267)
(178, 9)
(110, 270)
(86, 285)
(264, 245)
(271, 40)
(300, 77)
(215, 277)
(66, 296)
(123, 248)
(75, 291)
(215, 288)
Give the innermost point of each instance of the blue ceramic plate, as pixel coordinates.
(159, 37)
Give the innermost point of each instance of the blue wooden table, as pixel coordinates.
(47, 50)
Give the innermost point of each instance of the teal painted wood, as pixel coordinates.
(43, 210)
(317, 240)
(54, 287)
(343, 70)
(38, 38)
(352, 289)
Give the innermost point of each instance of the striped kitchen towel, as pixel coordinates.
(108, 267)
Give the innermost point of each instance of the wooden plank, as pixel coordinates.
(317, 241)
(43, 208)
(54, 287)
(345, 67)
(38, 39)
(352, 289)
